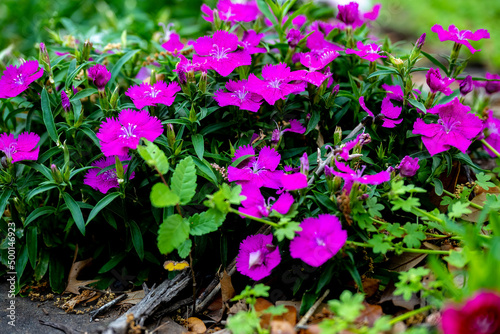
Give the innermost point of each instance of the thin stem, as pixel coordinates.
(428, 215)
(253, 218)
(406, 250)
(410, 314)
(492, 149)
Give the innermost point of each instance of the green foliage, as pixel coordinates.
(162, 196)
(154, 157)
(172, 233)
(184, 180)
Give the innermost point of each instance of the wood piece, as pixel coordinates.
(106, 307)
(61, 327)
(310, 312)
(164, 293)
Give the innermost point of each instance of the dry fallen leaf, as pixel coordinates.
(370, 314)
(281, 327)
(290, 316)
(239, 306)
(226, 287)
(370, 286)
(479, 199)
(388, 295)
(405, 261)
(261, 305)
(133, 297)
(80, 298)
(74, 284)
(196, 325)
(175, 266)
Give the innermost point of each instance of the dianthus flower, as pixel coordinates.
(294, 181)
(171, 40)
(351, 176)
(492, 125)
(107, 180)
(460, 36)
(256, 205)
(65, 101)
(316, 42)
(147, 95)
(351, 16)
(250, 42)
(259, 171)
(232, 12)
(239, 96)
(119, 135)
(466, 86)
(492, 87)
(320, 239)
(185, 66)
(220, 52)
(479, 315)
(370, 52)
(315, 62)
(388, 110)
(276, 83)
(100, 74)
(408, 166)
(438, 84)
(257, 256)
(455, 127)
(16, 79)
(21, 148)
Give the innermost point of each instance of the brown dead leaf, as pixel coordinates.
(227, 289)
(74, 284)
(281, 327)
(261, 305)
(290, 316)
(133, 298)
(196, 325)
(370, 286)
(479, 199)
(80, 298)
(370, 314)
(312, 329)
(405, 261)
(388, 295)
(239, 306)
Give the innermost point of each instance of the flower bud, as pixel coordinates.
(408, 166)
(337, 136)
(44, 58)
(65, 101)
(56, 174)
(202, 85)
(304, 164)
(364, 139)
(170, 135)
(87, 47)
(113, 101)
(466, 86)
(420, 41)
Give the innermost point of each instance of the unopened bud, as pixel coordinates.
(466, 86)
(364, 139)
(202, 85)
(170, 135)
(56, 174)
(420, 41)
(44, 58)
(337, 136)
(113, 101)
(87, 47)
(304, 164)
(65, 101)
(152, 78)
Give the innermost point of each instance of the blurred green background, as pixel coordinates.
(23, 22)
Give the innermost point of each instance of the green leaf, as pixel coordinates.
(113, 262)
(457, 259)
(417, 105)
(172, 233)
(161, 196)
(42, 266)
(56, 275)
(83, 94)
(154, 156)
(394, 229)
(287, 231)
(101, 205)
(379, 244)
(184, 180)
(264, 8)
(185, 248)
(136, 234)
(199, 145)
(4, 199)
(206, 222)
(349, 306)
(75, 212)
(313, 121)
(91, 135)
(241, 159)
(48, 118)
(118, 66)
(438, 187)
(406, 204)
(72, 74)
(39, 190)
(458, 209)
(413, 235)
(374, 207)
(382, 72)
(483, 181)
(32, 242)
(42, 211)
(435, 61)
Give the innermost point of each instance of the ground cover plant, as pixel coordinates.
(289, 138)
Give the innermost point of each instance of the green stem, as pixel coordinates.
(428, 215)
(474, 205)
(253, 218)
(492, 149)
(406, 250)
(410, 314)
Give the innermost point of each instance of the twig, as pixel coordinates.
(61, 327)
(173, 307)
(321, 166)
(313, 308)
(105, 307)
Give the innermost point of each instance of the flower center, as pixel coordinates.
(484, 324)
(274, 84)
(372, 49)
(448, 126)
(493, 129)
(128, 131)
(319, 241)
(109, 175)
(10, 150)
(219, 53)
(255, 259)
(19, 80)
(154, 93)
(256, 167)
(228, 14)
(240, 94)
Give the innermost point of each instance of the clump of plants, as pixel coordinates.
(285, 115)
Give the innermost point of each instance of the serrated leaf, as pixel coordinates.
(483, 181)
(413, 236)
(379, 244)
(206, 222)
(287, 231)
(172, 233)
(406, 204)
(458, 209)
(161, 196)
(154, 156)
(185, 248)
(184, 180)
(457, 259)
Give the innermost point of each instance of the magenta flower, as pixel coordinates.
(294, 181)
(320, 239)
(460, 36)
(187, 66)
(65, 101)
(147, 95)
(16, 79)
(316, 42)
(293, 37)
(21, 148)
(438, 84)
(316, 61)
(479, 315)
(107, 180)
(232, 12)
(370, 52)
(171, 40)
(119, 135)
(492, 125)
(257, 256)
(455, 127)
(351, 16)
(100, 74)
(388, 110)
(220, 52)
(255, 204)
(466, 86)
(258, 171)
(276, 83)
(239, 96)
(295, 126)
(492, 87)
(250, 42)
(351, 176)
(408, 166)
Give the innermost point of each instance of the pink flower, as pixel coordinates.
(119, 135)
(492, 125)
(388, 110)
(295, 126)
(492, 87)
(460, 36)
(250, 42)
(232, 12)
(370, 52)
(255, 204)
(220, 52)
(171, 40)
(257, 256)
(21, 148)
(258, 171)
(316, 42)
(408, 166)
(100, 74)
(294, 181)
(351, 16)
(320, 239)
(316, 61)
(455, 127)
(65, 101)
(351, 176)
(479, 315)
(107, 180)
(16, 79)
(239, 96)
(147, 95)
(438, 84)
(276, 83)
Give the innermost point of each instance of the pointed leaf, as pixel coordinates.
(48, 118)
(75, 212)
(199, 145)
(172, 233)
(136, 233)
(42, 211)
(32, 242)
(154, 156)
(4, 199)
(206, 222)
(101, 205)
(184, 180)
